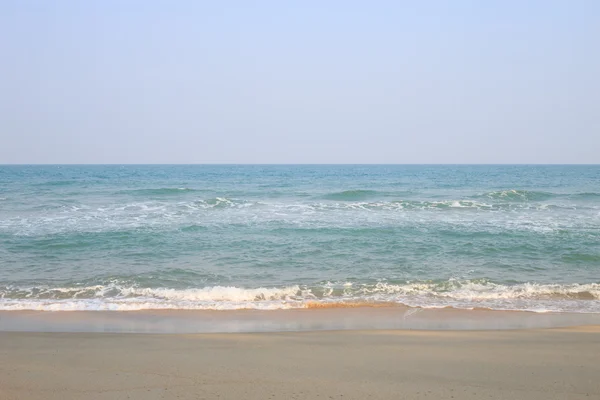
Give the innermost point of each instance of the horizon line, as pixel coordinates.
(293, 164)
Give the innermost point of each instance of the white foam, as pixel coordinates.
(136, 305)
(222, 211)
(465, 294)
(114, 297)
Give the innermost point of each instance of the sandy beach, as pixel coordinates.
(560, 363)
(299, 200)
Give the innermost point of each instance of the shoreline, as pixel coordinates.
(292, 320)
(532, 364)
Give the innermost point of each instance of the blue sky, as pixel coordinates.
(300, 81)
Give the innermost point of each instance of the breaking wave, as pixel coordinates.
(467, 294)
(219, 211)
(517, 195)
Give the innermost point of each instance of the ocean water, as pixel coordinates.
(277, 237)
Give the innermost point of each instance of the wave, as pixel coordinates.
(466, 294)
(514, 195)
(119, 298)
(585, 196)
(351, 195)
(517, 195)
(158, 191)
(397, 205)
(58, 183)
(222, 211)
(224, 202)
(424, 205)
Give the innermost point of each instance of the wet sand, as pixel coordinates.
(559, 363)
(244, 321)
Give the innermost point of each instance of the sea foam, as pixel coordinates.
(453, 293)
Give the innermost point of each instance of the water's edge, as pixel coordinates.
(239, 321)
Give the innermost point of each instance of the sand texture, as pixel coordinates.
(513, 364)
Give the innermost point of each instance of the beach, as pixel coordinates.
(559, 363)
(299, 282)
(299, 200)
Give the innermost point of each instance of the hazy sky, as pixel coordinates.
(300, 81)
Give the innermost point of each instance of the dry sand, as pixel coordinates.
(512, 364)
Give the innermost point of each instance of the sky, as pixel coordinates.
(112, 81)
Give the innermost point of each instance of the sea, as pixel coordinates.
(267, 237)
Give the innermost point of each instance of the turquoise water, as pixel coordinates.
(268, 237)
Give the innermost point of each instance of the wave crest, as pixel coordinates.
(518, 195)
(351, 195)
(452, 293)
(157, 191)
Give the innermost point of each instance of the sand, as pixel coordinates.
(561, 363)
(243, 321)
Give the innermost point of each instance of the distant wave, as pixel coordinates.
(157, 191)
(417, 205)
(467, 294)
(514, 195)
(221, 202)
(214, 202)
(66, 182)
(351, 195)
(517, 195)
(585, 196)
